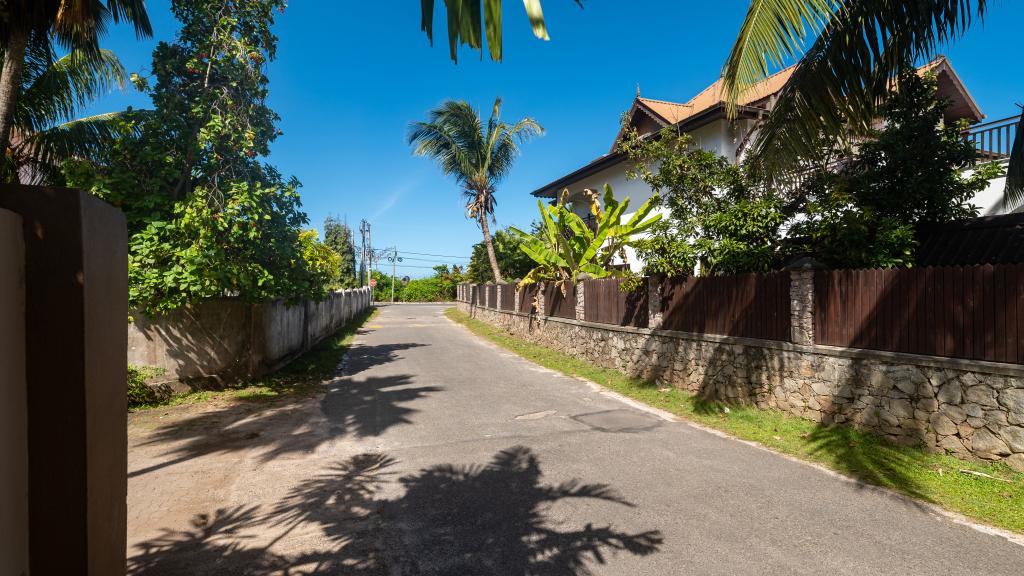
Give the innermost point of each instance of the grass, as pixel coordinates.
(300, 376)
(934, 478)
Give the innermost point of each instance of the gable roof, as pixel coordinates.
(667, 113)
(674, 113)
(708, 105)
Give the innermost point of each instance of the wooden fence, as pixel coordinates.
(508, 297)
(747, 305)
(605, 303)
(492, 296)
(527, 297)
(558, 304)
(974, 312)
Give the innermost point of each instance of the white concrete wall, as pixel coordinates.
(13, 400)
(990, 200)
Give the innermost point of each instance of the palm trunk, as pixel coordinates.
(10, 82)
(490, 246)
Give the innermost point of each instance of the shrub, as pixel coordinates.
(138, 391)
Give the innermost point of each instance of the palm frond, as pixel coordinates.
(848, 69)
(773, 33)
(78, 25)
(465, 21)
(1013, 194)
(84, 138)
(451, 137)
(506, 148)
(57, 94)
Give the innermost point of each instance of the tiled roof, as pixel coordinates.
(673, 112)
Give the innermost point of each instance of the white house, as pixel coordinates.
(704, 118)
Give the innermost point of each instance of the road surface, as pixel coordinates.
(435, 452)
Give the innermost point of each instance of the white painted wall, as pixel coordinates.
(990, 200)
(13, 401)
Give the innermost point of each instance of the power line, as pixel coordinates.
(437, 255)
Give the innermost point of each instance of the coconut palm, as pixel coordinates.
(46, 129)
(465, 21)
(478, 156)
(29, 26)
(850, 53)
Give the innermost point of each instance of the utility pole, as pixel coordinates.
(364, 231)
(394, 259)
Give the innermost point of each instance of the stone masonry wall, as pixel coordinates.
(966, 408)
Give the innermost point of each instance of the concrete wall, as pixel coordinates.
(13, 400)
(969, 408)
(225, 339)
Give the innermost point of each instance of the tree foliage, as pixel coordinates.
(208, 216)
(714, 219)
(514, 263)
(478, 156)
(339, 237)
(566, 247)
(908, 174)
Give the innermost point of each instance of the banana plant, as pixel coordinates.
(566, 247)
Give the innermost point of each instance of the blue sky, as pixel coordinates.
(350, 76)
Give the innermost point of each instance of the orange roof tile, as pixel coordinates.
(674, 112)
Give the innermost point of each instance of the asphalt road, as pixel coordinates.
(436, 452)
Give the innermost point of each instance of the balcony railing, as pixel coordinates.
(994, 140)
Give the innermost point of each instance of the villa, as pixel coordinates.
(704, 118)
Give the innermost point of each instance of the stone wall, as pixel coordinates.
(965, 407)
(224, 340)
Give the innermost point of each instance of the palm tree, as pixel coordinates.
(850, 53)
(45, 127)
(32, 25)
(477, 156)
(465, 21)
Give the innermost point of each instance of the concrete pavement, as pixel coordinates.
(437, 453)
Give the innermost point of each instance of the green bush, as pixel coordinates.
(138, 391)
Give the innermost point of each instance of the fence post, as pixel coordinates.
(654, 316)
(801, 299)
(540, 299)
(498, 294)
(581, 313)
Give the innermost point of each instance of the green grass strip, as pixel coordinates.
(300, 376)
(935, 478)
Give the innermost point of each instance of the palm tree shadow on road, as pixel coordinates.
(490, 519)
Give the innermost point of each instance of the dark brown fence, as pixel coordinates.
(492, 296)
(747, 305)
(508, 297)
(974, 312)
(527, 297)
(603, 302)
(560, 305)
(481, 295)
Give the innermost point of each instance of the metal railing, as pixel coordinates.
(994, 140)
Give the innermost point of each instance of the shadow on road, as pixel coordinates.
(489, 519)
(351, 406)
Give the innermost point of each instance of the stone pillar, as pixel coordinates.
(654, 316)
(801, 300)
(499, 292)
(580, 299)
(540, 299)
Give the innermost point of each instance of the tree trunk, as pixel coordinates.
(490, 247)
(10, 82)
